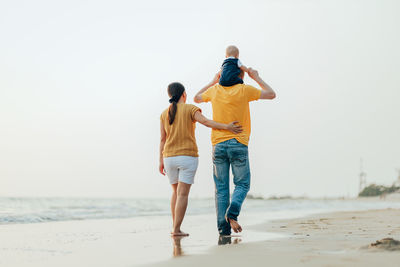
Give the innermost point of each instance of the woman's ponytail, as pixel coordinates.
(175, 91)
(172, 112)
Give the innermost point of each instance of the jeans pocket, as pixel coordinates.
(239, 157)
(239, 162)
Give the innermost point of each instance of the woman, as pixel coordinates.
(178, 149)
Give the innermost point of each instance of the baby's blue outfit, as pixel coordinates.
(230, 71)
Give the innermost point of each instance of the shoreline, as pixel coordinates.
(326, 239)
(305, 234)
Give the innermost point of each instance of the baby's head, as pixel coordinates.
(232, 51)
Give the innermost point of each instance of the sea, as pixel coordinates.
(23, 210)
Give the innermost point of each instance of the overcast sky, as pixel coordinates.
(82, 85)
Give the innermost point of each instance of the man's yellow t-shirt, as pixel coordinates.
(231, 104)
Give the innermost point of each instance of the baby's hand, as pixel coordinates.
(244, 68)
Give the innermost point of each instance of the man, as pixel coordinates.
(231, 104)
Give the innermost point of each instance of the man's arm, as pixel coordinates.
(266, 90)
(197, 97)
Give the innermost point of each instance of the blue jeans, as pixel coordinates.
(226, 154)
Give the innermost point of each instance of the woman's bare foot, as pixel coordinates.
(179, 233)
(235, 225)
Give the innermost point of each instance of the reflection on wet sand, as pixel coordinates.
(177, 251)
(222, 240)
(227, 239)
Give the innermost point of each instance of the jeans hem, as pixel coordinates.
(233, 217)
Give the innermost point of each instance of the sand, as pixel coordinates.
(108, 242)
(334, 239)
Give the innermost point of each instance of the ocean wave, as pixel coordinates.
(38, 210)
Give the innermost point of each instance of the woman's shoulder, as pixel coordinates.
(190, 107)
(164, 113)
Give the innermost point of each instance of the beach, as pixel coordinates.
(276, 232)
(333, 239)
(124, 123)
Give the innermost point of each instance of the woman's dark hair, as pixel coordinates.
(175, 91)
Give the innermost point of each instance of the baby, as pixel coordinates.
(231, 67)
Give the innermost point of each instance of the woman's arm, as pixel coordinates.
(216, 125)
(162, 143)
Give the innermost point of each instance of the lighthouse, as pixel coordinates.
(362, 177)
(397, 182)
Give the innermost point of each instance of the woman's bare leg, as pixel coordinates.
(180, 207)
(173, 201)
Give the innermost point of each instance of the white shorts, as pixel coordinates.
(181, 169)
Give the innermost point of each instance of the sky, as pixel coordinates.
(83, 83)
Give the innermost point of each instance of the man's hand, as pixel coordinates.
(253, 74)
(266, 90)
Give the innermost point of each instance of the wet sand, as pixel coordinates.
(110, 242)
(333, 239)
